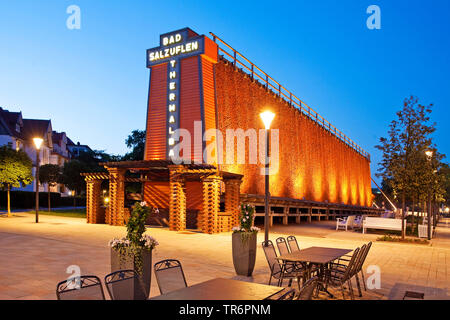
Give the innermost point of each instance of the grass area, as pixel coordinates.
(391, 238)
(72, 213)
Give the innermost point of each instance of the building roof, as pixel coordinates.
(10, 120)
(35, 128)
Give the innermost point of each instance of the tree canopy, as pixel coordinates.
(136, 142)
(15, 170)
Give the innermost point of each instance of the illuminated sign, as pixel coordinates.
(176, 45)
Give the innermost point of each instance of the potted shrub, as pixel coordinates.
(244, 242)
(134, 252)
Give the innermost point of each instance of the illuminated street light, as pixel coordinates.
(429, 155)
(267, 118)
(37, 143)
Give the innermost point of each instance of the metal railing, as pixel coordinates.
(271, 84)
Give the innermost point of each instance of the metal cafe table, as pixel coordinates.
(222, 289)
(319, 256)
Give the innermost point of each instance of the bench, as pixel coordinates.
(382, 223)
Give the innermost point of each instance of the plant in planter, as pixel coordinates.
(135, 250)
(244, 242)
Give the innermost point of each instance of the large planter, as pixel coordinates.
(126, 262)
(244, 252)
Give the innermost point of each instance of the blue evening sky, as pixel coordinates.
(92, 83)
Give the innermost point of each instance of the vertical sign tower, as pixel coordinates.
(181, 93)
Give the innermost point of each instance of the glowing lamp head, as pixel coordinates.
(267, 118)
(38, 142)
(447, 210)
(429, 153)
(106, 199)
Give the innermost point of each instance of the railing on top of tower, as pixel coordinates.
(271, 84)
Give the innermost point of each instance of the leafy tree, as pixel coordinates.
(409, 136)
(15, 170)
(136, 142)
(50, 174)
(71, 175)
(445, 171)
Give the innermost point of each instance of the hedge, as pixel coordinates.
(27, 200)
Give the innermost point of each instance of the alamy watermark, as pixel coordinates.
(74, 280)
(228, 148)
(73, 22)
(374, 280)
(374, 20)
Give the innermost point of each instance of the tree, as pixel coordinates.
(71, 175)
(15, 170)
(445, 171)
(403, 150)
(51, 175)
(136, 142)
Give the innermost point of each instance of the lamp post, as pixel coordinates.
(37, 144)
(429, 155)
(267, 118)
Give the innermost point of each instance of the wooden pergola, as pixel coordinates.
(210, 219)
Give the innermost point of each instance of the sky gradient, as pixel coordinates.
(93, 84)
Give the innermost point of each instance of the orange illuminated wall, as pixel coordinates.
(155, 146)
(314, 164)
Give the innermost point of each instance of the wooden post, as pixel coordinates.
(116, 196)
(94, 212)
(286, 216)
(177, 203)
(297, 218)
(232, 200)
(309, 214)
(211, 204)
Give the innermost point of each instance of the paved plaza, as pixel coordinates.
(34, 257)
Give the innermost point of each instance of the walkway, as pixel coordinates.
(34, 257)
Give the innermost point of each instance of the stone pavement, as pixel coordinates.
(34, 257)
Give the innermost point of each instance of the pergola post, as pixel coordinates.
(232, 200)
(94, 212)
(116, 196)
(177, 202)
(211, 204)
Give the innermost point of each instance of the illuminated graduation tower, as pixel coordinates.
(189, 82)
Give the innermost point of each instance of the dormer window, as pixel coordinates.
(17, 127)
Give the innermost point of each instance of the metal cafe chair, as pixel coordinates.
(293, 244)
(277, 269)
(80, 288)
(339, 274)
(285, 294)
(124, 285)
(169, 275)
(359, 268)
(283, 249)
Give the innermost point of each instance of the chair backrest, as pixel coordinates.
(359, 260)
(282, 246)
(271, 256)
(364, 256)
(293, 244)
(350, 220)
(169, 275)
(80, 288)
(287, 295)
(351, 265)
(307, 290)
(124, 285)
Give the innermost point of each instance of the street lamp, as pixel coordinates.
(267, 118)
(429, 155)
(37, 143)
